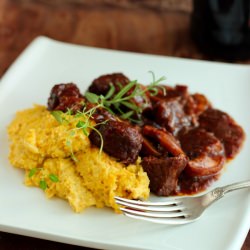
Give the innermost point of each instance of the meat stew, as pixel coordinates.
(182, 140)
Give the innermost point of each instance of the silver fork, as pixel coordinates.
(176, 210)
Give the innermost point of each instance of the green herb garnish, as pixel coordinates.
(32, 172)
(86, 125)
(53, 178)
(113, 103)
(84, 122)
(58, 116)
(43, 184)
(68, 144)
(125, 97)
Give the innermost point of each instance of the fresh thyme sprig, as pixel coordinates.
(114, 102)
(154, 85)
(84, 123)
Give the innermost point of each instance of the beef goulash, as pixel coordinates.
(182, 140)
(122, 138)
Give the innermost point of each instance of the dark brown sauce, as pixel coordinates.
(192, 185)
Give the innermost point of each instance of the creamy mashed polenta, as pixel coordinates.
(59, 158)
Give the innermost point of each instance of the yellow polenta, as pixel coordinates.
(85, 177)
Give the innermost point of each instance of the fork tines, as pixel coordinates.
(168, 212)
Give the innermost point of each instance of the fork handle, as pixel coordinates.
(235, 186)
(219, 192)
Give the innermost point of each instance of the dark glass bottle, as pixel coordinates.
(221, 28)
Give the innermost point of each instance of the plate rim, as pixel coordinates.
(46, 41)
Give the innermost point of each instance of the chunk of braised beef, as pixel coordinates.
(177, 91)
(70, 103)
(193, 184)
(170, 114)
(180, 91)
(65, 96)
(177, 109)
(163, 173)
(100, 114)
(196, 104)
(142, 101)
(101, 85)
(164, 138)
(206, 153)
(224, 128)
(120, 140)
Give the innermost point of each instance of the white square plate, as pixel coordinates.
(26, 211)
